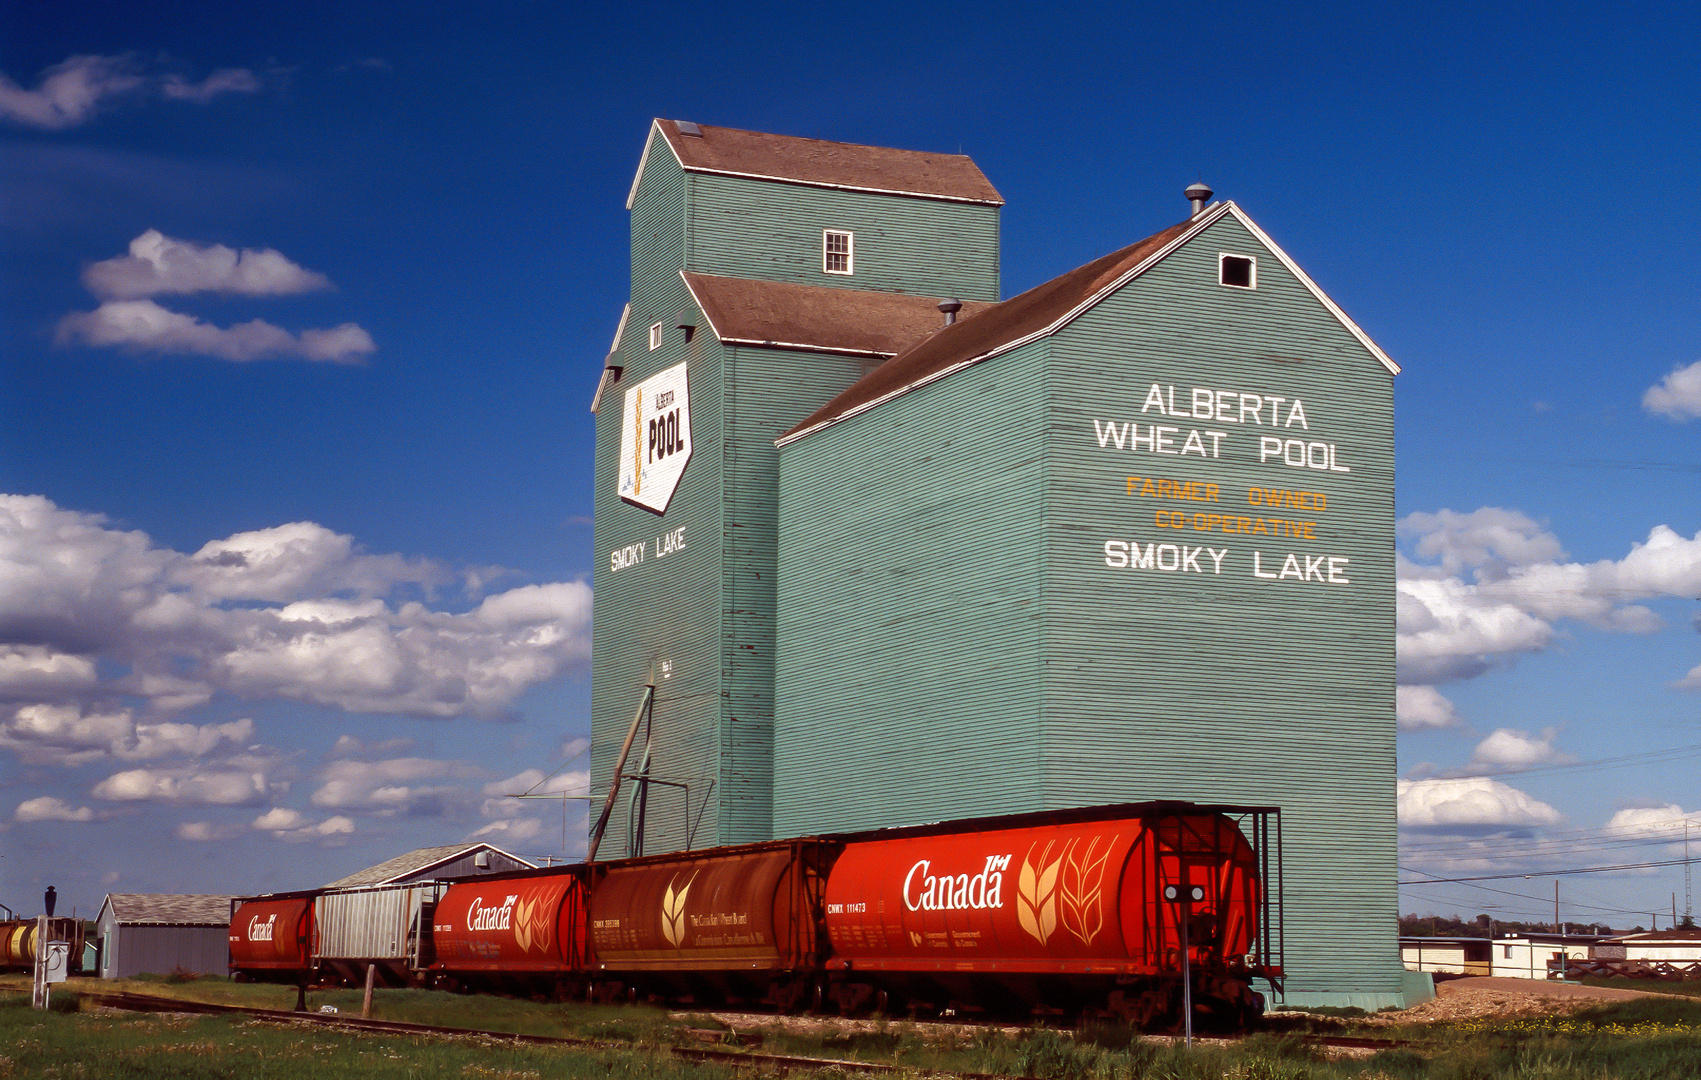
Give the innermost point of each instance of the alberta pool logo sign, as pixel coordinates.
(656, 439)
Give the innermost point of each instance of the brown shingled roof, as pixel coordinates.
(991, 329)
(164, 909)
(830, 164)
(817, 317)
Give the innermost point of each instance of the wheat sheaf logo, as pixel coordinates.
(532, 927)
(1071, 884)
(673, 911)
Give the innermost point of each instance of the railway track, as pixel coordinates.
(744, 1058)
(737, 1058)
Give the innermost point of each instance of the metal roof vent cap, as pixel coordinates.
(950, 308)
(1198, 194)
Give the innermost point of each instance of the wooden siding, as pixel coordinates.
(703, 617)
(943, 570)
(772, 232)
(909, 670)
(661, 614)
(1225, 686)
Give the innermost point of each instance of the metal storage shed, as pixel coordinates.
(435, 864)
(160, 933)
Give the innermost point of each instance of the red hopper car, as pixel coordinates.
(1065, 911)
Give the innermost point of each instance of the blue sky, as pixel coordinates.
(294, 564)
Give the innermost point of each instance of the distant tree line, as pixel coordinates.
(1454, 926)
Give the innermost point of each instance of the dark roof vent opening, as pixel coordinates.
(1240, 271)
(950, 308)
(1198, 194)
(686, 127)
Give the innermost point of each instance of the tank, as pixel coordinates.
(272, 935)
(1081, 897)
(1100, 909)
(18, 944)
(741, 909)
(511, 924)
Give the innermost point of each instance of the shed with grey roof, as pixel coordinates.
(161, 933)
(435, 864)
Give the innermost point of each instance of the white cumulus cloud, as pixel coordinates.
(48, 808)
(1423, 707)
(1665, 822)
(71, 91)
(416, 786)
(296, 612)
(1496, 591)
(186, 784)
(1509, 749)
(1469, 802)
(158, 264)
(1678, 395)
(144, 326)
(207, 832)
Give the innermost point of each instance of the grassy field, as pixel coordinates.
(1656, 1038)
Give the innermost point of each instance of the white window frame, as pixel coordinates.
(827, 252)
(1253, 259)
(655, 337)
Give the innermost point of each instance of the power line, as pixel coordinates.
(1552, 873)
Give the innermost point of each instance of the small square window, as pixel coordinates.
(837, 251)
(1240, 271)
(655, 336)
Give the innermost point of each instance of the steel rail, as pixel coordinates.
(778, 1062)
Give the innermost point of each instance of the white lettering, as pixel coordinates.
(1217, 558)
(630, 555)
(956, 893)
(1116, 553)
(1154, 400)
(262, 931)
(480, 917)
(1110, 433)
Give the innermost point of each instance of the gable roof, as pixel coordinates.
(1040, 311)
(816, 317)
(164, 909)
(818, 163)
(416, 862)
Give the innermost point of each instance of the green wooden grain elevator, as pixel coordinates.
(1126, 536)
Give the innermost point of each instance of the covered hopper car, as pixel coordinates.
(1100, 909)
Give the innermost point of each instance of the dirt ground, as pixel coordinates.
(1465, 998)
(1478, 996)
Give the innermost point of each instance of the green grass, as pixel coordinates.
(1653, 1038)
(134, 1046)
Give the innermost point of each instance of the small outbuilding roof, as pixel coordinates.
(417, 862)
(817, 317)
(1679, 936)
(164, 909)
(817, 163)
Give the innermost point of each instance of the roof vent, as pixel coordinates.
(950, 308)
(686, 127)
(1198, 195)
(482, 860)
